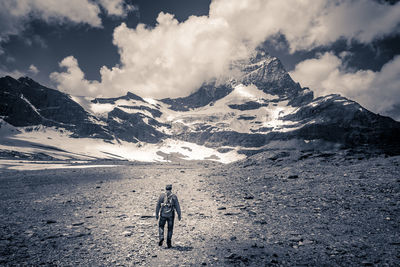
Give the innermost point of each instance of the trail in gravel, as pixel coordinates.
(105, 216)
(279, 211)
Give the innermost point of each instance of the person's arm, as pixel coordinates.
(177, 208)
(158, 206)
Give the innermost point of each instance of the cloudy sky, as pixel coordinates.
(168, 48)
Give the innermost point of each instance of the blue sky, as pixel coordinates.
(96, 48)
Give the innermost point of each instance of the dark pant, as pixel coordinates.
(161, 224)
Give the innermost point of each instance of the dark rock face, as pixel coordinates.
(206, 94)
(248, 105)
(128, 96)
(16, 111)
(262, 70)
(131, 127)
(24, 102)
(52, 104)
(302, 97)
(269, 75)
(230, 138)
(154, 112)
(332, 118)
(337, 119)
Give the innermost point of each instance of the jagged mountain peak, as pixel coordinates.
(258, 57)
(206, 94)
(24, 102)
(241, 116)
(269, 75)
(29, 82)
(264, 71)
(8, 81)
(128, 96)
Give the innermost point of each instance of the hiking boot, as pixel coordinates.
(160, 242)
(169, 244)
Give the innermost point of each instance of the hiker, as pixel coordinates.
(165, 210)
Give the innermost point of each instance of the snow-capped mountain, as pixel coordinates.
(262, 108)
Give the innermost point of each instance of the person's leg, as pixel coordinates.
(170, 230)
(161, 225)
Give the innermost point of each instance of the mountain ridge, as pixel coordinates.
(245, 115)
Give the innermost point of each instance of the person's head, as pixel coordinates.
(168, 187)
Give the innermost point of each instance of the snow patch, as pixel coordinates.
(23, 165)
(101, 109)
(60, 145)
(216, 117)
(29, 103)
(151, 101)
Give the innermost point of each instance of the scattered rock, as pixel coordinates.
(293, 176)
(127, 233)
(77, 223)
(296, 239)
(144, 217)
(251, 213)
(80, 235)
(50, 221)
(231, 256)
(231, 213)
(305, 242)
(222, 208)
(260, 222)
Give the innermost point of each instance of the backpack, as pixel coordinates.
(167, 209)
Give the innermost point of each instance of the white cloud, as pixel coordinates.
(117, 7)
(169, 60)
(16, 14)
(173, 59)
(308, 24)
(15, 73)
(37, 40)
(33, 69)
(77, 11)
(73, 80)
(377, 91)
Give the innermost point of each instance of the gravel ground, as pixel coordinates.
(281, 209)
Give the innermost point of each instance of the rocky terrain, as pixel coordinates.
(276, 208)
(266, 175)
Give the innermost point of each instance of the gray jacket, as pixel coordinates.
(174, 201)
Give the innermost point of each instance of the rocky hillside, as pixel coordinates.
(24, 102)
(260, 109)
